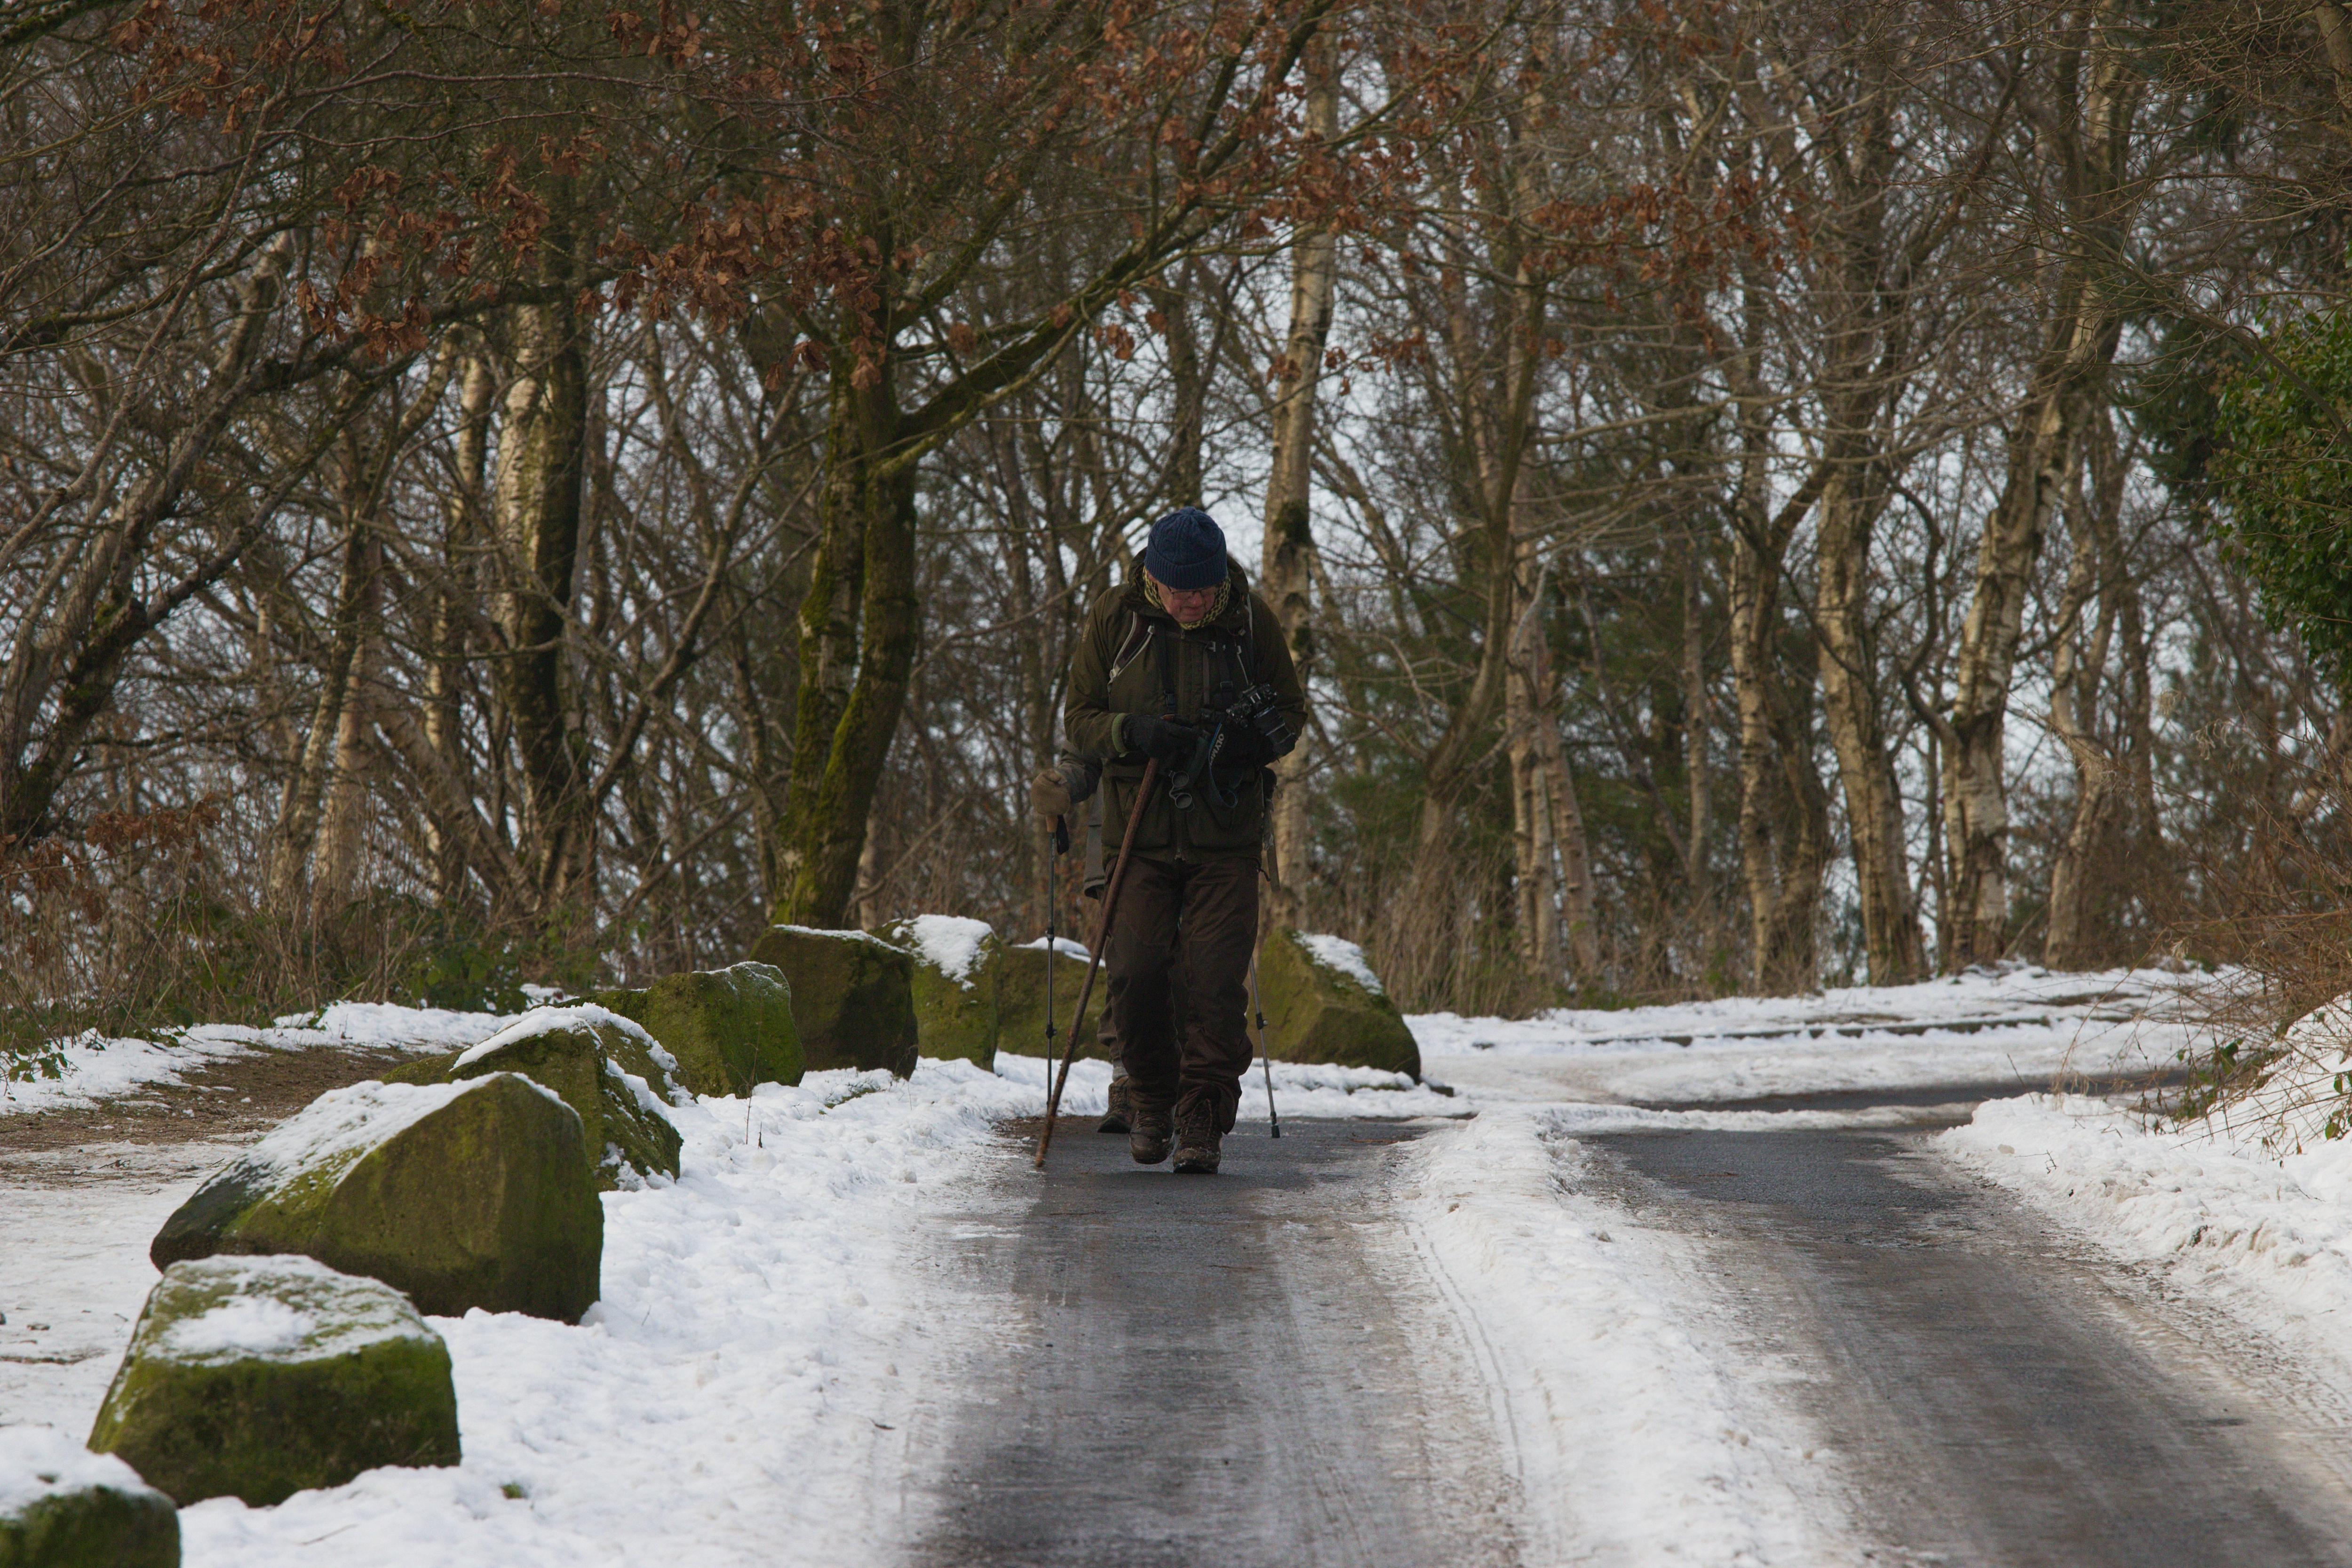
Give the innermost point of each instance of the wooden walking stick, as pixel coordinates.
(1093, 962)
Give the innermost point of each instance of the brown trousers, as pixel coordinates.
(1200, 918)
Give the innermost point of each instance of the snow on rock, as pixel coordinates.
(554, 1020)
(1062, 944)
(261, 1377)
(343, 1124)
(282, 1307)
(1641, 1436)
(39, 1462)
(62, 1507)
(949, 943)
(1337, 952)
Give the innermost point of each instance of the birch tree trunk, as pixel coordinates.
(537, 512)
(454, 611)
(1850, 705)
(1287, 570)
(1699, 724)
(2104, 785)
(2097, 90)
(342, 827)
(1533, 841)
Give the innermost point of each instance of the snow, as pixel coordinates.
(2208, 1206)
(951, 945)
(1339, 954)
(344, 1123)
(98, 1068)
(2018, 1026)
(548, 1020)
(1062, 944)
(41, 1461)
(842, 935)
(1641, 1436)
(240, 1326)
(329, 1313)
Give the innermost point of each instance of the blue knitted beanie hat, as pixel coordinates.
(1187, 550)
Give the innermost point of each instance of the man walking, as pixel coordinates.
(1187, 665)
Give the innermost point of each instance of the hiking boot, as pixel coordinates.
(1121, 1115)
(1147, 1140)
(1198, 1142)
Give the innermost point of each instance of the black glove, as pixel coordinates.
(1273, 734)
(1159, 738)
(1242, 748)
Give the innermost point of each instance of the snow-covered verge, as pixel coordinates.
(2206, 1204)
(762, 1334)
(1641, 1439)
(769, 1322)
(97, 1068)
(2018, 1026)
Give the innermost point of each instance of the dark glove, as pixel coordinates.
(1242, 748)
(1159, 738)
(1273, 734)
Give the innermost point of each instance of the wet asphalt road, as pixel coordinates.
(1997, 1395)
(1233, 1370)
(1252, 1370)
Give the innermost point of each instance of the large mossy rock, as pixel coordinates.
(852, 997)
(610, 1070)
(958, 964)
(462, 1195)
(1323, 1004)
(1021, 1001)
(62, 1506)
(261, 1377)
(729, 1029)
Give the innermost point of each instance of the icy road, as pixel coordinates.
(1824, 1280)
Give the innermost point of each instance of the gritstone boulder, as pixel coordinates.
(729, 1029)
(852, 997)
(606, 1068)
(1021, 1002)
(958, 963)
(1323, 1004)
(259, 1377)
(477, 1193)
(62, 1506)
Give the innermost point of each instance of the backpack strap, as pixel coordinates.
(1131, 643)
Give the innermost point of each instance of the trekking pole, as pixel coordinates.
(1094, 959)
(1060, 847)
(1265, 1049)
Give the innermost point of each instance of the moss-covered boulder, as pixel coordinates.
(468, 1194)
(261, 1377)
(1324, 1003)
(1020, 1000)
(957, 966)
(606, 1068)
(62, 1506)
(728, 1029)
(852, 997)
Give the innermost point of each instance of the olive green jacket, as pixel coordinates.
(1117, 670)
